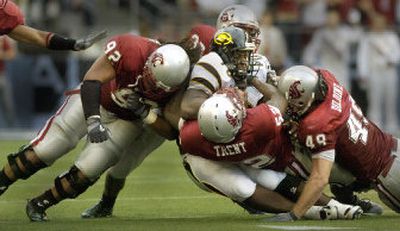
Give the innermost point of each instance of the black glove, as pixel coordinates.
(97, 133)
(88, 41)
(283, 217)
(136, 105)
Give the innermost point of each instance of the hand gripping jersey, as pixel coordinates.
(10, 16)
(210, 74)
(338, 124)
(260, 142)
(128, 54)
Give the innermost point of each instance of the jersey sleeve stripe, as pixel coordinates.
(212, 71)
(204, 82)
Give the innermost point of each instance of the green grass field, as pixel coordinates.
(157, 196)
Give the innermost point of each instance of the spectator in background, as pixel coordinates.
(7, 52)
(329, 48)
(378, 57)
(273, 42)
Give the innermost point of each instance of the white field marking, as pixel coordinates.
(129, 199)
(304, 227)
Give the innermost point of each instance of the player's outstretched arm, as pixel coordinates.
(191, 103)
(313, 188)
(271, 94)
(54, 41)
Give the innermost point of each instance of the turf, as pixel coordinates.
(157, 196)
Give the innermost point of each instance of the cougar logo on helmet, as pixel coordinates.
(227, 15)
(157, 59)
(295, 90)
(3, 3)
(232, 120)
(223, 38)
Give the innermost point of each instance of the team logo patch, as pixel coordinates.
(157, 59)
(223, 38)
(295, 90)
(3, 3)
(232, 120)
(227, 15)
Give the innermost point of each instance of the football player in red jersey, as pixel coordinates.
(114, 100)
(199, 36)
(12, 24)
(240, 147)
(325, 119)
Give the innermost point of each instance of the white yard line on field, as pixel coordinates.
(305, 227)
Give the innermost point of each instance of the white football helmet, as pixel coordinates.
(299, 84)
(220, 118)
(239, 16)
(166, 68)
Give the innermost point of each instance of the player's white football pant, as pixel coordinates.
(232, 180)
(63, 131)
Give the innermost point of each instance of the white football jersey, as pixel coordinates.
(210, 74)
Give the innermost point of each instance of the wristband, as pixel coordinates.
(57, 42)
(150, 118)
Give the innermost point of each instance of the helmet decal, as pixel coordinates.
(227, 15)
(223, 38)
(3, 3)
(232, 120)
(295, 90)
(157, 59)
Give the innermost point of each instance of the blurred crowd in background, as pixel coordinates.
(357, 40)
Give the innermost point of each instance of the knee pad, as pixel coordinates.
(26, 168)
(72, 183)
(288, 187)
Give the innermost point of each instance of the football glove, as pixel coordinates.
(97, 133)
(88, 41)
(283, 217)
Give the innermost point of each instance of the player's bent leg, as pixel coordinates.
(68, 185)
(104, 207)
(388, 186)
(21, 165)
(145, 144)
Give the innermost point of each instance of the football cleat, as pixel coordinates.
(369, 207)
(99, 210)
(35, 212)
(349, 212)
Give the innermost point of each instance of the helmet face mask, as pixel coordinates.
(233, 46)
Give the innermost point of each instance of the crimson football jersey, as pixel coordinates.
(128, 54)
(203, 35)
(260, 142)
(338, 123)
(10, 16)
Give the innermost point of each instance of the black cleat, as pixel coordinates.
(369, 207)
(35, 211)
(99, 210)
